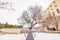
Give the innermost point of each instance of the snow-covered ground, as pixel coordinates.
(37, 36)
(12, 37)
(46, 36)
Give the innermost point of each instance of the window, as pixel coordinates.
(50, 5)
(53, 12)
(54, 2)
(55, 5)
(51, 9)
(57, 10)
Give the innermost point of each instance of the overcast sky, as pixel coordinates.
(20, 5)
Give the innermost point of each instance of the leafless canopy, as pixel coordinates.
(32, 16)
(52, 20)
(6, 5)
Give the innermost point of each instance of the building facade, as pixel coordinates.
(53, 9)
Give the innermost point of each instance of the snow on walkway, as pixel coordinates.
(37, 36)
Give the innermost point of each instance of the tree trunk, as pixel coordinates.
(47, 27)
(57, 26)
(31, 27)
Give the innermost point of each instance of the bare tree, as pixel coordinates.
(6, 5)
(32, 16)
(52, 20)
(55, 20)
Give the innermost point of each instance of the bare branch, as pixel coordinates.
(6, 5)
(32, 16)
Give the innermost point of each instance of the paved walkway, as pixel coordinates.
(30, 36)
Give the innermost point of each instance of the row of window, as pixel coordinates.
(58, 11)
(54, 3)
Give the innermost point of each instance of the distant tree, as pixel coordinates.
(1, 25)
(12, 26)
(32, 16)
(6, 25)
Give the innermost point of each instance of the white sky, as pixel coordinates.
(20, 5)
